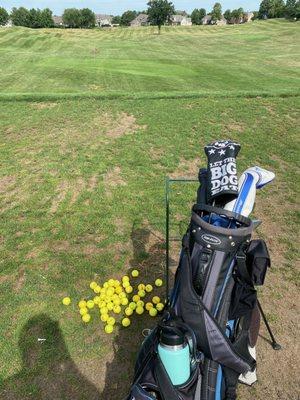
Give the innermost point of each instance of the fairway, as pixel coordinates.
(256, 58)
(91, 123)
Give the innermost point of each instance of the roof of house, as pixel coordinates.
(57, 19)
(249, 14)
(140, 19)
(101, 17)
(207, 17)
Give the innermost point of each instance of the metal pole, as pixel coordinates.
(167, 188)
(275, 345)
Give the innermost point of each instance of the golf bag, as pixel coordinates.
(213, 299)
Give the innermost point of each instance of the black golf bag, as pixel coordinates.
(213, 299)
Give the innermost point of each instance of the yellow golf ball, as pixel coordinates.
(142, 293)
(82, 304)
(139, 310)
(140, 303)
(102, 296)
(122, 295)
(90, 304)
(153, 312)
(129, 289)
(109, 328)
(124, 302)
(116, 283)
(111, 282)
(148, 306)
(126, 284)
(86, 318)
(155, 300)
(103, 310)
(135, 273)
(136, 298)
(110, 306)
(66, 301)
(158, 282)
(102, 304)
(97, 299)
(97, 289)
(159, 306)
(125, 322)
(125, 278)
(93, 285)
(132, 305)
(110, 291)
(141, 286)
(105, 285)
(117, 309)
(128, 311)
(104, 317)
(119, 289)
(83, 311)
(148, 288)
(111, 321)
(117, 302)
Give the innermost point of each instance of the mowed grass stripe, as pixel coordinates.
(133, 61)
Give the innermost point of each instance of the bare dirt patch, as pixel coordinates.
(235, 126)
(6, 183)
(61, 191)
(113, 178)
(187, 168)
(43, 105)
(125, 124)
(92, 183)
(20, 280)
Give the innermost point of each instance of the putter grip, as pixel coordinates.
(222, 182)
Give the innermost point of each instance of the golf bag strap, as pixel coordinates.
(242, 267)
(231, 381)
(230, 214)
(165, 385)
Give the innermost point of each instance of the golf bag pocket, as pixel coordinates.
(151, 379)
(258, 261)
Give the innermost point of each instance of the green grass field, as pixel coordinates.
(91, 123)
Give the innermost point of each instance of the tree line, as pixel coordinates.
(159, 12)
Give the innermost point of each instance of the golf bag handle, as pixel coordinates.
(220, 211)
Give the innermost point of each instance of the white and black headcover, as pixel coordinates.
(222, 182)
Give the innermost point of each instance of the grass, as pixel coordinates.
(86, 140)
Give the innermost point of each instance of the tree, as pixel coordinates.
(160, 12)
(127, 17)
(198, 15)
(4, 16)
(292, 9)
(237, 15)
(227, 15)
(216, 13)
(20, 16)
(271, 9)
(72, 18)
(116, 20)
(87, 18)
(46, 18)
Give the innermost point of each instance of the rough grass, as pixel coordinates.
(82, 197)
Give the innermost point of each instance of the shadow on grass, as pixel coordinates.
(149, 258)
(48, 372)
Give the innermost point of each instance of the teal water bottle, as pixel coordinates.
(174, 352)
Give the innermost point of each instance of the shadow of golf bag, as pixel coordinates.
(213, 304)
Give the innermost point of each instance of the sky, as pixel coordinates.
(117, 7)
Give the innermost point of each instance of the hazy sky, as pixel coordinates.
(119, 6)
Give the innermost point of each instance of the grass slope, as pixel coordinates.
(260, 57)
(82, 194)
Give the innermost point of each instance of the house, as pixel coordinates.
(206, 20)
(248, 16)
(58, 21)
(103, 20)
(140, 20)
(9, 24)
(181, 20)
(221, 21)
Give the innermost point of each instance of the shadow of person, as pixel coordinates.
(148, 258)
(48, 372)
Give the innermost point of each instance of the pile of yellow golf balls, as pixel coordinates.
(120, 298)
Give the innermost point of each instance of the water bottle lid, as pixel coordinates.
(170, 337)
